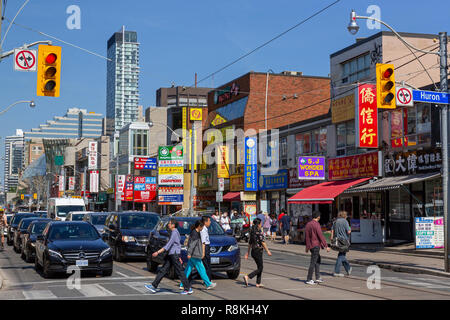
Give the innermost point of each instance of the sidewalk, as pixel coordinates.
(393, 259)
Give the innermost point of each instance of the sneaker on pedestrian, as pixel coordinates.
(211, 286)
(181, 287)
(150, 288)
(319, 280)
(190, 291)
(338, 274)
(310, 282)
(349, 272)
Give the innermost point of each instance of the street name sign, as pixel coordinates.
(430, 97)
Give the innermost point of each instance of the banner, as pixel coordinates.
(144, 189)
(413, 162)
(222, 162)
(71, 183)
(367, 123)
(353, 167)
(93, 181)
(62, 184)
(429, 232)
(170, 170)
(170, 196)
(144, 163)
(171, 179)
(92, 157)
(251, 164)
(274, 182)
(311, 168)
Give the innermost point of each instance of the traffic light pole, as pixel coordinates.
(444, 133)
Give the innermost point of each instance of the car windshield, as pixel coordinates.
(38, 227)
(17, 218)
(99, 218)
(8, 219)
(138, 221)
(62, 211)
(77, 216)
(77, 231)
(25, 223)
(184, 227)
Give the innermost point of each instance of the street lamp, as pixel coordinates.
(31, 102)
(151, 123)
(265, 104)
(442, 53)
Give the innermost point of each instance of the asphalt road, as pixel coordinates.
(284, 275)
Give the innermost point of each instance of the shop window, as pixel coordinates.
(399, 205)
(346, 139)
(411, 126)
(311, 142)
(434, 203)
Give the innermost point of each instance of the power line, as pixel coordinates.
(267, 42)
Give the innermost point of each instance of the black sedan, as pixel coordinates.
(74, 244)
(127, 233)
(15, 220)
(22, 229)
(97, 219)
(29, 238)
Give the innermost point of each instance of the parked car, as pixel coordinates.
(8, 220)
(97, 219)
(41, 214)
(127, 233)
(76, 215)
(15, 220)
(73, 243)
(29, 238)
(20, 230)
(225, 252)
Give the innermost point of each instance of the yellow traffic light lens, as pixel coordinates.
(388, 98)
(50, 72)
(388, 72)
(388, 86)
(50, 85)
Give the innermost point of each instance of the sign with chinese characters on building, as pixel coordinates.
(93, 181)
(343, 109)
(127, 195)
(170, 196)
(354, 167)
(274, 182)
(71, 183)
(412, 162)
(311, 168)
(367, 123)
(144, 163)
(144, 189)
(251, 164)
(92, 158)
(222, 162)
(236, 182)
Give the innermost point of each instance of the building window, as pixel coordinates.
(346, 138)
(140, 142)
(311, 142)
(356, 69)
(410, 126)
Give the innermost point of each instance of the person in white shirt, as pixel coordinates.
(204, 234)
(225, 221)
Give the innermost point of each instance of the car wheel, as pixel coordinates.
(46, 271)
(27, 257)
(117, 255)
(151, 265)
(233, 274)
(107, 273)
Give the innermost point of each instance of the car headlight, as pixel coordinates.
(105, 252)
(128, 239)
(233, 247)
(55, 254)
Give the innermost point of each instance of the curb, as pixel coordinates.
(389, 266)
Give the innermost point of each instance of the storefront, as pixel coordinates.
(233, 198)
(273, 191)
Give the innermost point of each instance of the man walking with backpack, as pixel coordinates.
(340, 240)
(314, 242)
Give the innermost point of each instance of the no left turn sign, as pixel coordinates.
(404, 97)
(25, 60)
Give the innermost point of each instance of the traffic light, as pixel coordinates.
(22, 197)
(49, 71)
(385, 86)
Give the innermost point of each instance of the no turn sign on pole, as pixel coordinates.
(25, 60)
(404, 97)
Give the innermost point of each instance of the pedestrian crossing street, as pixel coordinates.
(428, 283)
(132, 289)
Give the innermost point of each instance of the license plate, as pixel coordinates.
(81, 263)
(215, 261)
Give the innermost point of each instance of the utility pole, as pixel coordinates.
(444, 132)
(191, 194)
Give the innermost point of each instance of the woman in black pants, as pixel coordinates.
(257, 244)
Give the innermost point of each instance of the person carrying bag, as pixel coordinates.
(340, 234)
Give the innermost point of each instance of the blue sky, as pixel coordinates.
(179, 38)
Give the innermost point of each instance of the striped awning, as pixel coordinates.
(392, 182)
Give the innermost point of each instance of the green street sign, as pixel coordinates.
(170, 153)
(59, 160)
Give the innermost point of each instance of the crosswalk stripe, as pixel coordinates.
(138, 286)
(38, 294)
(94, 290)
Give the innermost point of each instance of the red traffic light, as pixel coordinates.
(388, 72)
(51, 58)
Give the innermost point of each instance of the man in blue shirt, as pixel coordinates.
(261, 217)
(173, 247)
(285, 226)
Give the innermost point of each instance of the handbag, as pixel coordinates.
(341, 245)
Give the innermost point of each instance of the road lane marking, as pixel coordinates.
(15, 284)
(94, 290)
(122, 274)
(38, 294)
(139, 286)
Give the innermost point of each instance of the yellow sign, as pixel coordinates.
(248, 196)
(218, 120)
(343, 109)
(76, 197)
(170, 170)
(22, 196)
(237, 182)
(34, 195)
(195, 114)
(210, 136)
(222, 162)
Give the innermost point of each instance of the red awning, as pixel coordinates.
(232, 196)
(324, 192)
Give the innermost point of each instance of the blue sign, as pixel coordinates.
(430, 97)
(170, 198)
(139, 187)
(277, 181)
(145, 163)
(251, 164)
(150, 180)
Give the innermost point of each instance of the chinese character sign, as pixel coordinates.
(367, 117)
(92, 155)
(222, 163)
(413, 162)
(251, 165)
(353, 167)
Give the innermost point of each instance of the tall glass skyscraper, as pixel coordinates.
(122, 83)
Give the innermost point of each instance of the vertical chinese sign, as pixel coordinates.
(367, 123)
(251, 165)
(222, 162)
(93, 181)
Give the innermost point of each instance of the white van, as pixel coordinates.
(58, 208)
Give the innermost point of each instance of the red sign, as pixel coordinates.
(368, 116)
(353, 167)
